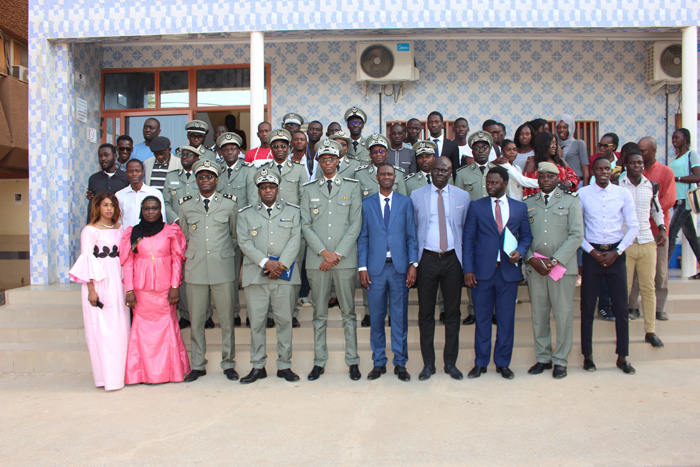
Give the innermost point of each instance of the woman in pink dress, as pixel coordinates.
(105, 315)
(151, 254)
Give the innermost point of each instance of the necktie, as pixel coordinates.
(354, 145)
(482, 168)
(330, 185)
(546, 199)
(279, 167)
(387, 213)
(428, 178)
(229, 172)
(499, 218)
(206, 204)
(441, 222)
(188, 175)
(437, 150)
(269, 211)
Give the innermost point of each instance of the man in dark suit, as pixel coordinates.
(446, 147)
(492, 271)
(440, 211)
(387, 256)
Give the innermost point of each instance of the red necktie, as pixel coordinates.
(499, 218)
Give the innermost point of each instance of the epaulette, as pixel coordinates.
(400, 169)
(572, 193)
(248, 164)
(295, 162)
(309, 182)
(244, 208)
(229, 196)
(409, 176)
(351, 179)
(529, 196)
(292, 205)
(361, 167)
(462, 167)
(186, 198)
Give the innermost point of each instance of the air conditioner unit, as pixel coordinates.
(20, 72)
(664, 62)
(386, 62)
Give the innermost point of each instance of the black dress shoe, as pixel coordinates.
(184, 323)
(505, 372)
(453, 372)
(316, 373)
(270, 323)
(626, 367)
(469, 320)
(296, 323)
(332, 302)
(662, 316)
(442, 317)
(493, 319)
(428, 371)
(401, 372)
(376, 372)
(476, 372)
(288, 375)
(237, 322)
(254, 375)
(559, 372)
(209, 324)
(388, 321)
(355, 372)
(588, 364)
(633, 313)
(654, 340)
(231, 374)
(193, 375)
(365, 321)
(538, 368)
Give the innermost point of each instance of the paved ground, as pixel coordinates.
(603, 418)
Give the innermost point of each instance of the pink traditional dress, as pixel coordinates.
(156, 352)
(106, 328)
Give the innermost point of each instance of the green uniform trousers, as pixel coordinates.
(297, 288)
(280, 298)
(344, 281)
(237, 271)
(198, 299)
(558, 297)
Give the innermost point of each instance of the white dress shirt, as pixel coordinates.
(432, 240)
(605, 211)
(505, 215)
(381, 209)
(130, 203)
(517, 181)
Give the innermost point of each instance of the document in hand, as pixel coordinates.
(557, 271)
(510, 243)
(286, 275)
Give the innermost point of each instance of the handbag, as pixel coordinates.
(693, 195)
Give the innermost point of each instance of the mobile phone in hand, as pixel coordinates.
(99, 304)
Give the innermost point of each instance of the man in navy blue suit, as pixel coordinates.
(387, 257)
(492, 272)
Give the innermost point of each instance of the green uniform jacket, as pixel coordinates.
(235, 185)
(557, 229)
(418, 180)
(331, 221)
(346, 168)
(211, 239)
(261, 236)
(204, 153)
(362, 153)
(178, 186)
(367, 176)
(294, 175)
(470, 179)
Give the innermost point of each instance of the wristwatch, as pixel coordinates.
(554, 261)
(662, 227)
(415, 265)
(619, 252)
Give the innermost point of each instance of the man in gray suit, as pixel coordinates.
(440, 211)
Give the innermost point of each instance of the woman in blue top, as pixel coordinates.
(686, 169)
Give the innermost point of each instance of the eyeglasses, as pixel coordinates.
(205, 176)
(375, 152)
(356, 123)
(609, 145)
(125, 149)
(326, 160)
(279, 146)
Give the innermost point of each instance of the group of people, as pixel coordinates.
(303, 219)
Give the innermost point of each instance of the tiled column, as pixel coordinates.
(689, 91)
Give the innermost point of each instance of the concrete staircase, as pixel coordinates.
(41, 331)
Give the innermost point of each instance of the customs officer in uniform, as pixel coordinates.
(331, 219)
(233, 182)
(292, 122)
(346, 166)
(355, 118)
(557, 231)
(208, 221)
(269, 235)
(196, 133)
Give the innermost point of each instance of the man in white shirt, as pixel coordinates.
(606, 209)
(130, 197)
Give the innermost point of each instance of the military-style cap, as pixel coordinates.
(480, 136)
(292, 117)
(340, 134)
(375, 139)
(279, 133)
(207, 165)
(191, 149)
(265, 176)
(159, 143)
(355, 112)
(424, 147)
(197, 126)
(547, 168)
(229, 138)
(328, 147)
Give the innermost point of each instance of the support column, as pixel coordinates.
(689, 90)
(257, 85)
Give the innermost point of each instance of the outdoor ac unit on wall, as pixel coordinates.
(20, 72)
(386, 62)
(664, 62)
